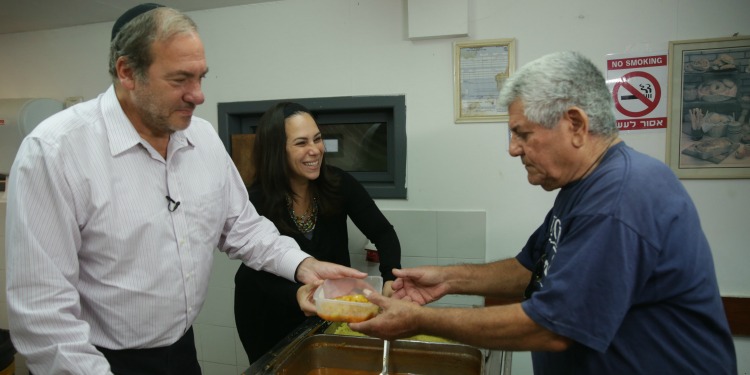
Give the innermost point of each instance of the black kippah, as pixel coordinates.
(130, 14)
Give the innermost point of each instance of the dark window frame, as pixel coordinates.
(242, 118)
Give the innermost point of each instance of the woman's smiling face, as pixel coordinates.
(304, 147)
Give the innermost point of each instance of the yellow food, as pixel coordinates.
(335, 311)
(353, 298)
(344, 330)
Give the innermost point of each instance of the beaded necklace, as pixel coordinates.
(305, 222)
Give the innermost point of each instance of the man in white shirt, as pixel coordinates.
(115, 207)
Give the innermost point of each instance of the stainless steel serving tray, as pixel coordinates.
(336, 352)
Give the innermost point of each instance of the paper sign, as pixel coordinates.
(638, 85)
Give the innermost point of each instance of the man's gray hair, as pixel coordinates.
(552, 84)
(135, 39)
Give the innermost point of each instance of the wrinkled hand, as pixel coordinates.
(305, 298)
(311, 270)
(420, 284)
(388, 288)
(398, 319)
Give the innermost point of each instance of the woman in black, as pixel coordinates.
(310, 202)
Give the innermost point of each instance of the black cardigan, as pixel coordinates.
(265, 305)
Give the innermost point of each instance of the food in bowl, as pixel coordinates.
(353, 298)
(343, 300)
(350, 312)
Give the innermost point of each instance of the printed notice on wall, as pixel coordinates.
(638, 84)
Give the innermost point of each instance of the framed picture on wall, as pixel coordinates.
(709, 108)
(479, 70)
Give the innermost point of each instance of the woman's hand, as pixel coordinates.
(305, 298)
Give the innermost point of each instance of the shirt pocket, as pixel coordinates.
(209, 217)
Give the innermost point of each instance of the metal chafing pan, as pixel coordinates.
(333, 352)
(315, 352)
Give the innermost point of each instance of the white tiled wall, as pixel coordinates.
(427, 237)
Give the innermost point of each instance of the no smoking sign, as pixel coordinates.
(637, 94)
(636, 85)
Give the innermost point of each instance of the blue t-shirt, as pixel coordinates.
(624, 269)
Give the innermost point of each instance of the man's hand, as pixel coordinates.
(388, 288)
(420, 284)
(312, 270)
(398, 319)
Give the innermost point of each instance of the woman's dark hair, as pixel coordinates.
(272, 171)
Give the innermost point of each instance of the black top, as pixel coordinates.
(265, 305)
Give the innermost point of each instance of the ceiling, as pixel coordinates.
(32, 15)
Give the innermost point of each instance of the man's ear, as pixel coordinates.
(125, 73)
(579, 125)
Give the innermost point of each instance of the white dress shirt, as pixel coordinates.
(94, 255)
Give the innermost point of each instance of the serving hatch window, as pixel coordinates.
(365, 136)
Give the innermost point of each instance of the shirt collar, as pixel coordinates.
(121, 132)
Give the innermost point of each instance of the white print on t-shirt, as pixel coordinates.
(555, 229)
